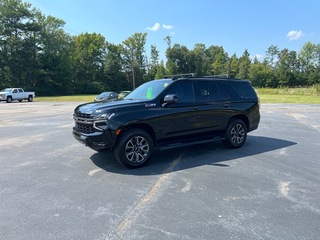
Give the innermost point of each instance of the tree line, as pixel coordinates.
(37, 54)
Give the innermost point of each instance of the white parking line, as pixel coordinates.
(303, 120)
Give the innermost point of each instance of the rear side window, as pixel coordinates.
(206, 90)
(244, 89)
(223, 90)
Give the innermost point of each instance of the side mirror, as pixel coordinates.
(170, 98)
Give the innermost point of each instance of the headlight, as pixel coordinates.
(101, 122)
(105, 116)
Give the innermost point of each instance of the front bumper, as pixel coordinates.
(97, 140)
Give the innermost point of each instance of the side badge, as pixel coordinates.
(148, 105)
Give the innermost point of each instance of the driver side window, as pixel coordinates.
(183, 90)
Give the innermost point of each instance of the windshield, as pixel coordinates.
(149, 90)
(8, 90)
(104, 94)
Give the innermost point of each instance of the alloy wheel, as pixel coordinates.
(237, 134)
(137, 149)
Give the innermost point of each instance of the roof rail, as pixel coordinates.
(178, 76)
(226, 76)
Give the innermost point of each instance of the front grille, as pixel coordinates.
(83, 115)
(85, 128)
(84, 122)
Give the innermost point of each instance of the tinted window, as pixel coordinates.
(183, 90)
(223, 90)
(243, 88)
(206, 90)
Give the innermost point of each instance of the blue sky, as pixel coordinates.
(234, 25)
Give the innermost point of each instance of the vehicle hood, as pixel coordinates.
(113, 106)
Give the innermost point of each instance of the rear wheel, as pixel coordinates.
(236, 134)
(134, 148)
(30, 98)
(9, 99)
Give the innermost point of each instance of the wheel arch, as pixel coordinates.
(9, 97)
(242, 117)
(143, 126)
(30, 97)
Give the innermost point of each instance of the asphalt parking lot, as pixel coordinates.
(52, 187)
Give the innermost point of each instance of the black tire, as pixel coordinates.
(9, 99)
(236, 134)
(134, 148)
(30, 98)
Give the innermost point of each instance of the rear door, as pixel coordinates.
(213, 105)
(21, 94)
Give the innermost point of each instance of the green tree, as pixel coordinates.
(244, 65)
(217, 58)
(17, 42)
(154, 63)
(309, 62)
(134, 58)
(287, 68)
(53, 73)
(171, 67)
(115, 77)
(88, 56)
(317, 70)
(201, 61)
(272, 56)
(220, 63)
(161, 71)
(179, 60)
(261, 74)
(234, 66)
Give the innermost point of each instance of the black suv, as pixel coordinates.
(175, 111)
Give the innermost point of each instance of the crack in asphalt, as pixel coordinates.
(126, 223)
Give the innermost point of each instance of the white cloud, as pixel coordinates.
(155, 27)
(294, 35)
(167, 26)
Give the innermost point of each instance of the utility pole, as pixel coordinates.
(132, 69)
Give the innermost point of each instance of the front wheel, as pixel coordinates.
(236, 134)
(9, 99)
(134, 148)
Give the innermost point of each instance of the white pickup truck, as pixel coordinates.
(10, 94)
